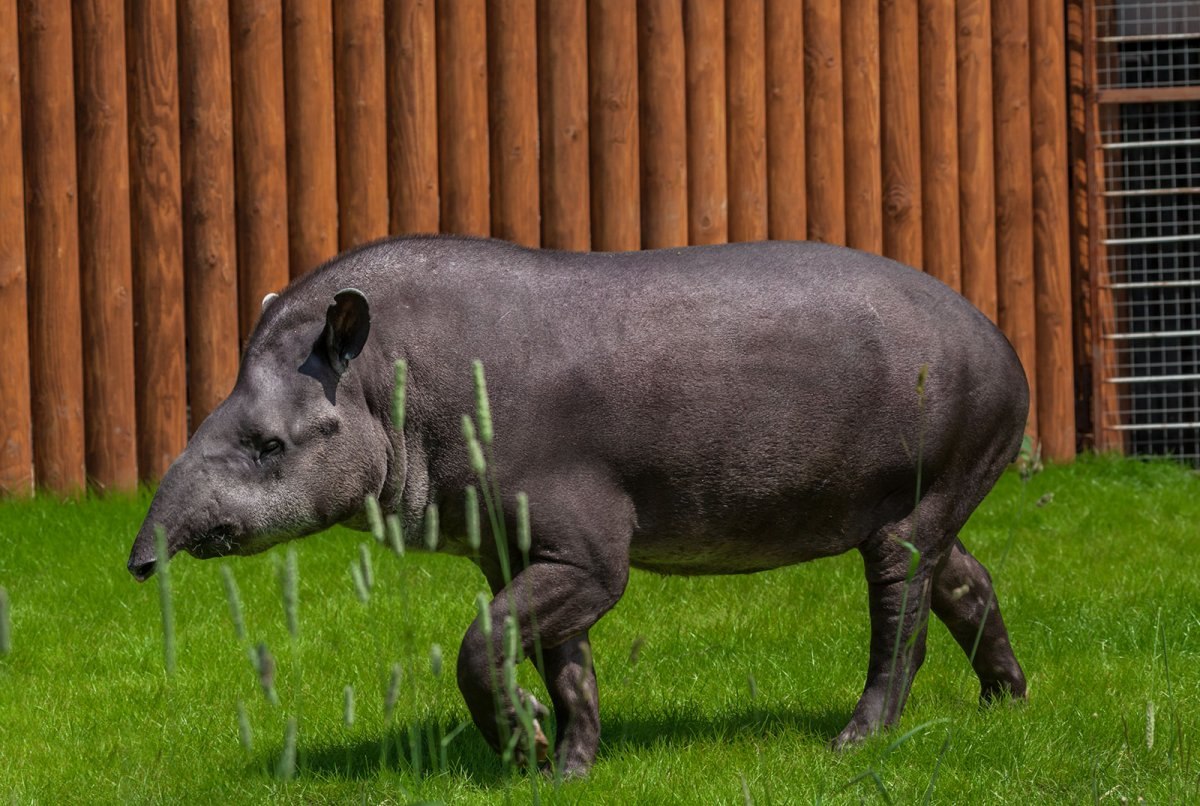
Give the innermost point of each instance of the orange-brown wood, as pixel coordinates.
(613, 90)
(513, 109)
(976, 174)
(1051, 229)
(824, 122)
(16, 429)
(787, 197)
(704, 45)
(260, 154)
(312, 200)
(55, 333)
(152, 64)
(939, 142)
(864, 177)
(105, 259)
(413, 121)
(360, 98)
(209, 231)
(1083, 312)
(463, 116)
(1014, 188)
(562, 44)
(900, 105)
(663, 132)
(745, 42)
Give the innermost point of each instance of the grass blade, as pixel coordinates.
(5, 624)
(234, 598)
(161, 568)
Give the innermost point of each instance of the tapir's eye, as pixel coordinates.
(270, 448)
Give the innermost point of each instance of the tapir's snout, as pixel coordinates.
(142, 558)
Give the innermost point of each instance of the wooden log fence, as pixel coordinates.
(169, 163)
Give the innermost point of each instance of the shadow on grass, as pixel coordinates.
(469, 757)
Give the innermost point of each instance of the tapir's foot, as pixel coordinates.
(541, 745)
(1009, 689)
(853, 734)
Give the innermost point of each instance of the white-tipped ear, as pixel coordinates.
(268, 299)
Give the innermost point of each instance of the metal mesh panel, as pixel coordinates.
(1149, 153)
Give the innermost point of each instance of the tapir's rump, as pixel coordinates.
(719, 409)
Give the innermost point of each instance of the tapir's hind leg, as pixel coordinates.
(963, 598)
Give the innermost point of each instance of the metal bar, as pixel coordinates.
(1156, 284)
(1152, 427)
(1192, 141)
(1151, 37)
(1165, 334)
(1155, 379)
(1195, 236)
(1184, 191)
(1134, 95)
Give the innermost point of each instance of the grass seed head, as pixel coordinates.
(1150, 725)
(395, 534)
(264, 664)
(5, 624)
(348, 707)
(483, 411)
(400, 395)
(431, 527)
(435, 660)
(523, 537)
(360, 584)
(286, 768)
(289, 583)
(244, 734)
(483, 605)
(922, 376)
(471, 498)
(162, 560)
(375, 518)
(512, 638)
(368, 569)
(393, 692)
(474, 449)
(234, 598)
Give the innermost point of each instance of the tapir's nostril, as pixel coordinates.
(141, 571)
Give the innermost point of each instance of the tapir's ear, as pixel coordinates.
(347, 324)
(268, 299)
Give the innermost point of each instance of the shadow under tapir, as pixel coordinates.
(708, 410)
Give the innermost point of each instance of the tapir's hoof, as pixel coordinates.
(852, 735)
(541, 746)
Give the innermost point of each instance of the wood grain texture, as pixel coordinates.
(900, 115)
(663, 115)
(413, 120)
(463, 116)
(360, 98)
(976, 171)
(51, 216)
(312, 198)
(613, 91)
(16, 426)
(562, 42)
(513, 111)
(105, 258)
(787, 196)
(209, 223)
(1082, 310)
(1051, 230)
(260, 154)
(939, 142)
(864, 172)
(152, 64)
(704, 45)
(745, 43)
(1014, 188)
(824, 132)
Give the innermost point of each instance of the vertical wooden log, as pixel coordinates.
(976, 174)
(787, 202)
(463, 116)
(260, 154)
(1014, 188)
(704, 46)
(824, 116)
(361, 121)
(864, 177)
(1083, 312)
(939, 143)
(663, 124)
(312, 199)
(513, 111)
(55, 333)
(746, 54)
(209, 231)
(413, 125)
(16, 429)
(105, 259)
(900, 103)
(612, 78)
(1051, 244)
(152, 65)
(563, 109)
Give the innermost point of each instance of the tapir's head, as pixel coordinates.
(294, 448)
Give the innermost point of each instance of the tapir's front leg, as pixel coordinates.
(562, 601)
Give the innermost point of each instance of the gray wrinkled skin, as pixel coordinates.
(709, 410)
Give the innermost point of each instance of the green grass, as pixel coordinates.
(1101, 592)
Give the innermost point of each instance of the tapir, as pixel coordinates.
(705, 410)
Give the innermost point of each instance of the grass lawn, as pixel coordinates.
(712, 689)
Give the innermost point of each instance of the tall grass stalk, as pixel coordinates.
(400, 396)
(245, 735)
(286, 768)
(234, 599)
(5, 624)
(162, 571)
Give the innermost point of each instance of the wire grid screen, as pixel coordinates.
(1151, 154)
(1151, 43)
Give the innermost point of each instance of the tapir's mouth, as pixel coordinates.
(216, 542)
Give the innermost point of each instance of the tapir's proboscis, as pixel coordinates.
(703, 410)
